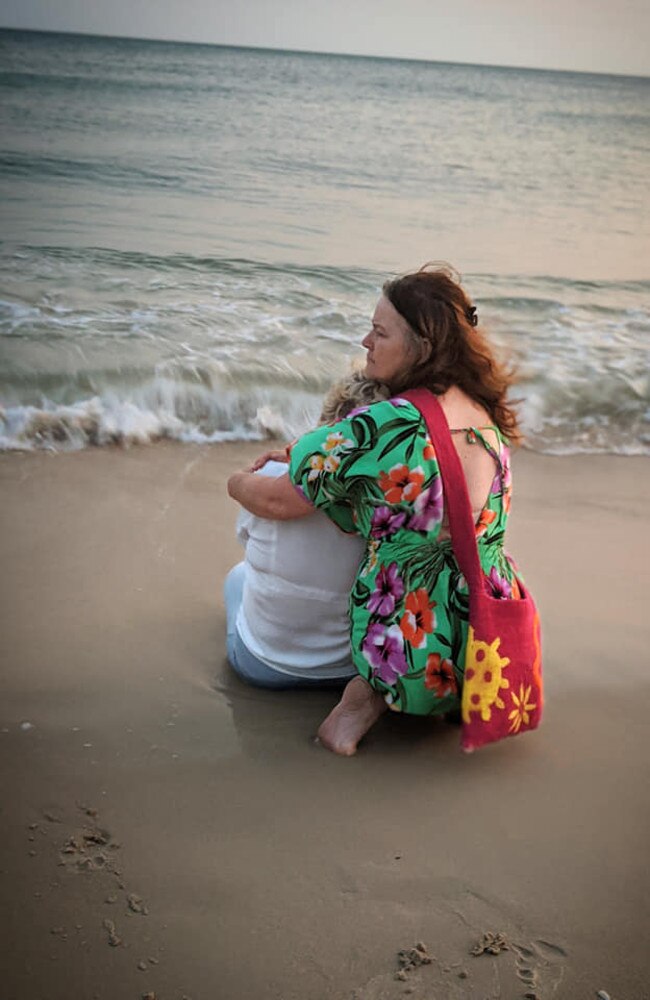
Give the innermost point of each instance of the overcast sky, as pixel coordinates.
(607, 36)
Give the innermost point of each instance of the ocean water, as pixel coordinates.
(193, 237)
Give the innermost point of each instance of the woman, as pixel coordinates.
(287, 602)
(375, 474)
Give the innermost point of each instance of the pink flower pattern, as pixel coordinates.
(389, 589)
(383, 648)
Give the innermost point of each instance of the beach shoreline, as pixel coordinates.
(139, 774)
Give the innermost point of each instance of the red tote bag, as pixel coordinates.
(502, 690)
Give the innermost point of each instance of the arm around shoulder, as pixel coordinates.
(276, 499)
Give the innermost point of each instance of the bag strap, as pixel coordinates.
(459, 509)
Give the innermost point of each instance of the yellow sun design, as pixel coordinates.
(483, 677)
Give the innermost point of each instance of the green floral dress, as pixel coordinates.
(375, 474)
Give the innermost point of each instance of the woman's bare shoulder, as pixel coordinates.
(462, 411)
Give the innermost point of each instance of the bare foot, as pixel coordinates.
(358, 710)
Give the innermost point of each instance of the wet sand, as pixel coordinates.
(168, 831)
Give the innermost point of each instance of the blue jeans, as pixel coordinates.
(245, 663)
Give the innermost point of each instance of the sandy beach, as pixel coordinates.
(168, 832)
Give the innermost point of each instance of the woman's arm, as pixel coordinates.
(264, 496)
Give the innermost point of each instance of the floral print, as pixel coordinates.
(418, 619)
(316, 466)
(376, 473)
(384, 650)
(388, 589)
(439, 676)
(371, 557)
(486, 518)
(500, 586)
(320, 464)
(427, 509)
(401, 483)
(336, 441)
(385, 522)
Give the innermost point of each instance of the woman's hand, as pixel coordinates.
(265, 496)
(279, 455)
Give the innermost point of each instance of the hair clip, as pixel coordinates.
(471, 315)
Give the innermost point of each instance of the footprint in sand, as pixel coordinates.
(477, 948)
(540, 966)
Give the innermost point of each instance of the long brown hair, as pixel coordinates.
(438, 311)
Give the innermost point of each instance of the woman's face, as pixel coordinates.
(390, 350)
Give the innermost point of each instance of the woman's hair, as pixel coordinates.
(439, 312)
(352, 391)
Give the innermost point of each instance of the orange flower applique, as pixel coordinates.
(419, 618)
(439, 676)
(520, 713)
(487, 517)
(401, 483)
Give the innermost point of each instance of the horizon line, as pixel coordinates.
(323, 52)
